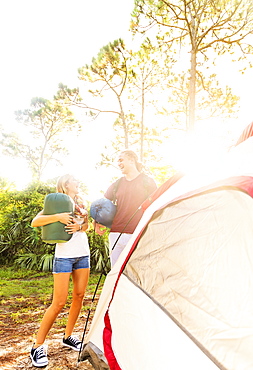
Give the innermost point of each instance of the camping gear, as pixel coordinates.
(181, 292)
(103, 211)
(56, 203)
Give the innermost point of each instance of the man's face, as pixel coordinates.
(124, 163)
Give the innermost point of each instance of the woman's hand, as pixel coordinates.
(72, 227)
(85, 224)
(65, 218)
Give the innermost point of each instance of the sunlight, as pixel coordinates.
(200, 152)
(16, 171)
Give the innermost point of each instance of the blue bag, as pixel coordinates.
(103, 211)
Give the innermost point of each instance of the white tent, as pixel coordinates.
(181, 294)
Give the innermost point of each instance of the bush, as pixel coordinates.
(17, 237)
(99, 252)
(21, 244)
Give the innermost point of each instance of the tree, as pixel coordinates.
(146, 80)
(47, 121)
(201, 26)
(108, 73)
(214, 100)
(120, 82)
(6, 185)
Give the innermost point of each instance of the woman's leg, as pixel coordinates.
(61, 286)
(80, 280)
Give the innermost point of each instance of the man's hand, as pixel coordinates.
(99, 229)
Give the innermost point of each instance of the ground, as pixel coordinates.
(18, 335)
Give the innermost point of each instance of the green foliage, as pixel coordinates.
(6, 185)
(198, 32)
(25, 283)
(28, 261)
(99, 252)
(24, 294)
(162, 174)
(8, 273)
(21, 244)
(32, 261)
(46, 121)
(17, 237)
(46, 262)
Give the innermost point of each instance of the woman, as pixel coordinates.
(71, 258)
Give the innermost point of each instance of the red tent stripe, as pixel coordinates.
(241, 183)
(247, 132)
(107, 338)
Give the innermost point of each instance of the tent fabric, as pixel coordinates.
(181, 291)
(190, 283)
(247, 132)
(160, 343)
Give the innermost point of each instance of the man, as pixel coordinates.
(129, 192)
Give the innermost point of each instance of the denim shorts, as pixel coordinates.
(70, 264)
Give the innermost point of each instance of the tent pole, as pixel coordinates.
(95, 292)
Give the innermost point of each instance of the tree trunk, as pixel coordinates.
(192, 93)
(192, 85)
(122, 116)
(142, 122)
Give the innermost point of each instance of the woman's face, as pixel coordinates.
(72, 186)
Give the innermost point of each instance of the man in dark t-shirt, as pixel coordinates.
(129, 192)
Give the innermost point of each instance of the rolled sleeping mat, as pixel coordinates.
(103, 211)
(56, 203)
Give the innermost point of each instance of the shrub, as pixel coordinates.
(21, 244)
(17, 237)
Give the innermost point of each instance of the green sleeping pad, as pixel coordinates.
(55, 232)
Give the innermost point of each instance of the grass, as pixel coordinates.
(27, 283)
(23, 292)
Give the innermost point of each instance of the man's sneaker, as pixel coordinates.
(39, 356)
(72, 342)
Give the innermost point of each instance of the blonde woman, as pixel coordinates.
(71, 258)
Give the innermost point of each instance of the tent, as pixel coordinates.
(181, 294)
(247, 132)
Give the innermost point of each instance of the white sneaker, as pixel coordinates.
(72, 342)
(39, 356)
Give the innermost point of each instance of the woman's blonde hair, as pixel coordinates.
(62, 182)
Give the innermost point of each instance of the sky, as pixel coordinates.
(43, 44)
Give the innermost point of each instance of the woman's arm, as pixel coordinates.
(41, 220)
